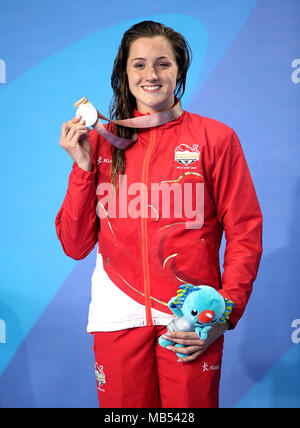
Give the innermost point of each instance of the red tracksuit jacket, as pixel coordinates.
(149, 241)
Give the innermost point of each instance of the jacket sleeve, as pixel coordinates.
(239, 213)
(77, 222)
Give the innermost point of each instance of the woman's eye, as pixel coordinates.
(164, 64)
(139, 66)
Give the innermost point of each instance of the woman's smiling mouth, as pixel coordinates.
(151, 88)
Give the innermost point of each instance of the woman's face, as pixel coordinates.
(152, 74)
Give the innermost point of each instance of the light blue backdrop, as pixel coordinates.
(246, 73)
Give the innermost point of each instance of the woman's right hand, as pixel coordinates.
(74, 139)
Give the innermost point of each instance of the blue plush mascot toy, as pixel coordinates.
(197, 308)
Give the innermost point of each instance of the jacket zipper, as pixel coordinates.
(144, 232)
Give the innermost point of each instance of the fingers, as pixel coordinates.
(74, 140)
(191, 352)
(189, 358)
(76, 122)
(72, 131)
(193, 345)
(184, 338)
(186, 350)
(76, 131)
(73, 137)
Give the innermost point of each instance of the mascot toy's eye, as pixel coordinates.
(194, 312)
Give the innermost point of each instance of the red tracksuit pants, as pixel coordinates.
(134, 371)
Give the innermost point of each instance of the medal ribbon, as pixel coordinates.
(141, 122)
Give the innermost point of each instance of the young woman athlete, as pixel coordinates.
(158, 211)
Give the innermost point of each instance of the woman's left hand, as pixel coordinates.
(194, 346)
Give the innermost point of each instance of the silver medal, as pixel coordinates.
(88, 113)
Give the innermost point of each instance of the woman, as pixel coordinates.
(152, 241)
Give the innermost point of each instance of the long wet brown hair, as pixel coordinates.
(123, 102)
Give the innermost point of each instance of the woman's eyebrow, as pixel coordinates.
(145, 59)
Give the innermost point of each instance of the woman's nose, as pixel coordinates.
(151, 74)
